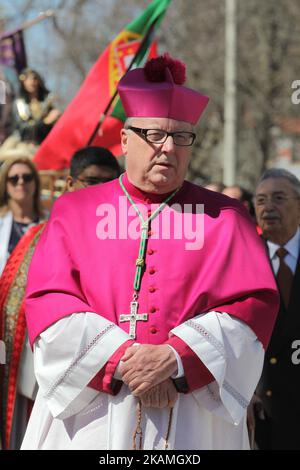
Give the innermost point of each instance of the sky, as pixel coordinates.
(40, 49)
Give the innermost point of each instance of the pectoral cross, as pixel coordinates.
(133, 317)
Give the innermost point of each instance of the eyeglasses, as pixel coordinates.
(276, 199)
(158, 136)
(26, 177)
(92, 181)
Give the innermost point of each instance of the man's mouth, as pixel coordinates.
(166, 164)
(270, 217)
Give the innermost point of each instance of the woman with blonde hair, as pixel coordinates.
(89, 166)
(20, 205)
(20, 214)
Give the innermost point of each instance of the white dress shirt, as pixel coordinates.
(292, 246)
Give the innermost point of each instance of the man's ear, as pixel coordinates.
(69, 184)
(124, 141)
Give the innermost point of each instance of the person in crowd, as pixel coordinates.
(138, 333)
(89, 166)
(20, 209)
(215, 186)
(276, 406)
(20, 203)
(92, 165)
(242, 195)
(34, 115)
(6, 100)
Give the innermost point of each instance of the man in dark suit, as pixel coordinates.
(277, 398)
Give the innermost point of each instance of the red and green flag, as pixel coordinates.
(78, 126)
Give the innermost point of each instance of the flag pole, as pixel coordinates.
(27, 24)
(104, 114)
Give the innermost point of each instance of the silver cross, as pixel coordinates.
(133, 317)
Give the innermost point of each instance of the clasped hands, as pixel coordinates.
(146, 369)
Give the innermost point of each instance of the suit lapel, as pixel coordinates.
(288, 320)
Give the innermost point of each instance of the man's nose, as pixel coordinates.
(269, 205)
(168, 145)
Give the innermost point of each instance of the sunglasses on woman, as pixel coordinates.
(26, 177)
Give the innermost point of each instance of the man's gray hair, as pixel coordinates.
(281, 173)
(128, 122)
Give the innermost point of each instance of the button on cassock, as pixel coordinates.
(273, 360)
(269, 393)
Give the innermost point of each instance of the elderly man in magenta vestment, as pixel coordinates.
(150, 300)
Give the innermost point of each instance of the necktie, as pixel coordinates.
(284, 276)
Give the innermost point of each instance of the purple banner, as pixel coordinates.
(12, 51)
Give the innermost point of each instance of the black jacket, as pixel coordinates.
(279, 386)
